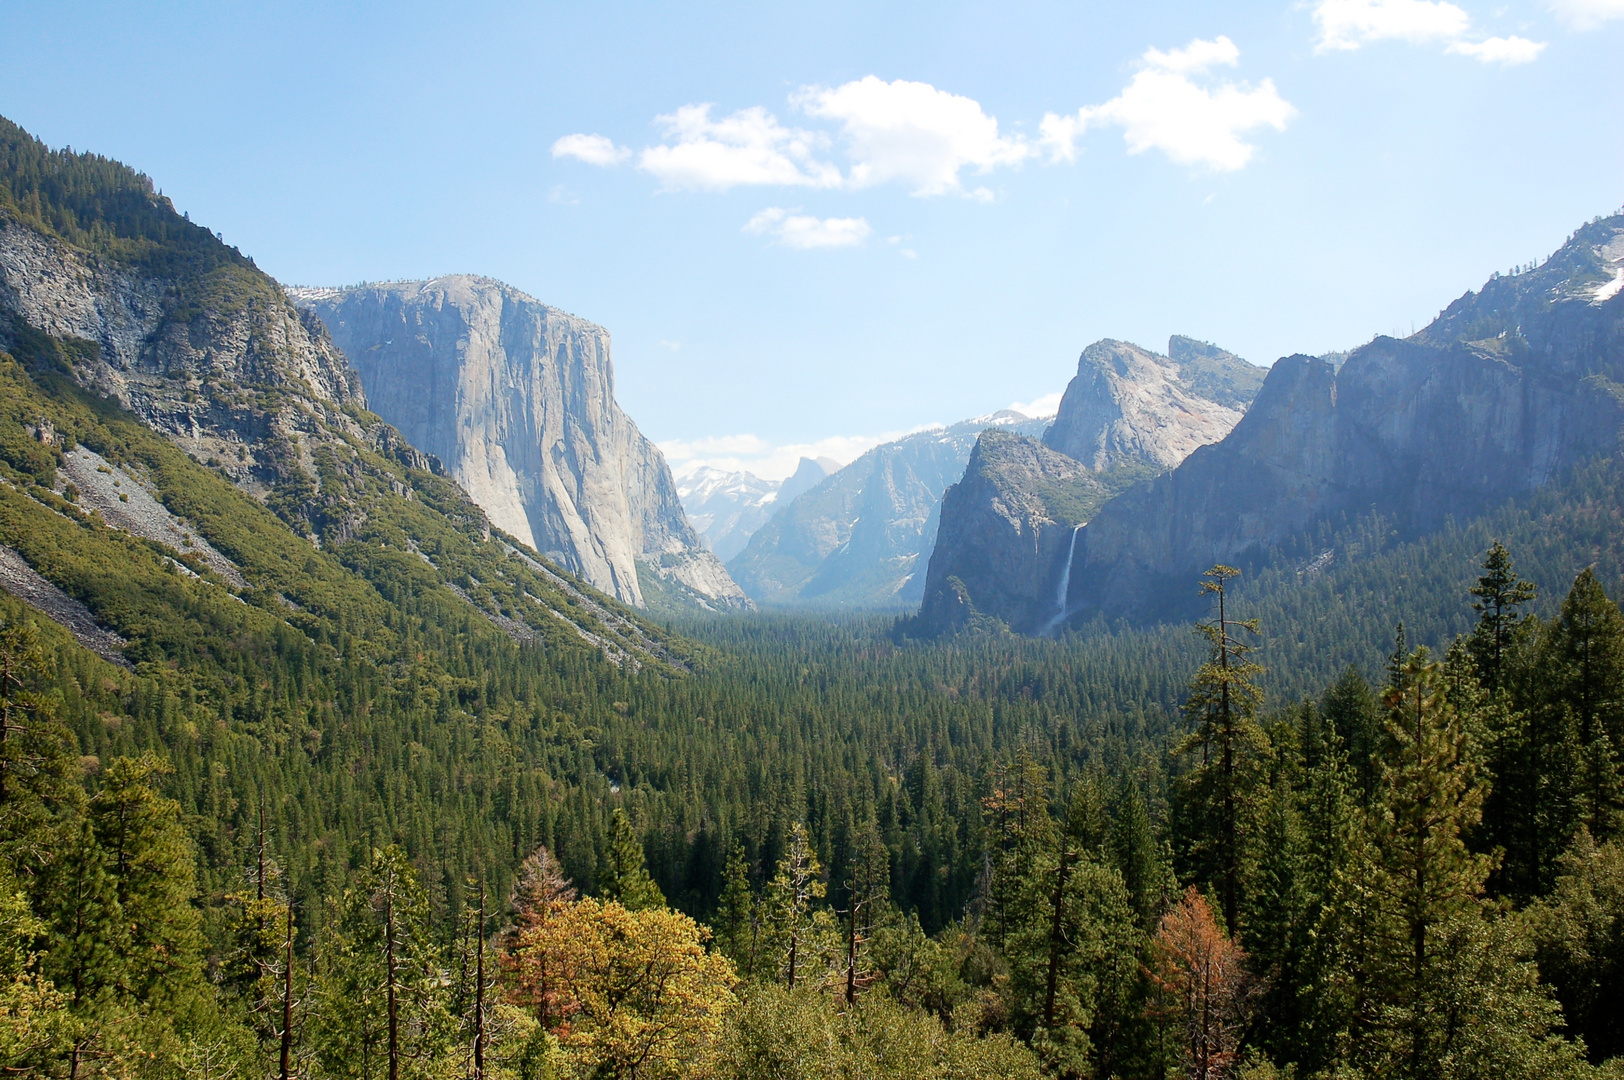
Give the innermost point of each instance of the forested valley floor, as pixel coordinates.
(1295, 842)
(349, 786)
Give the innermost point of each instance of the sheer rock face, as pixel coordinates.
(1127, 403)
(517, 399)
(861, 539)
(1005, 535)
(1005, 539)
(1506, 389)
(233, 372)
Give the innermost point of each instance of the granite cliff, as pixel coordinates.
(201, 346)
(517, 398)
(1506, 390)
(1008, 528)
(133, 333)
(1127, 403)
(859, 539)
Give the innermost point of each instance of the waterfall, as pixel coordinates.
(1065, 584)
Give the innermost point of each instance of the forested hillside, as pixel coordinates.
(324, 779)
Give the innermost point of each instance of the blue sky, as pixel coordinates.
(890, 214)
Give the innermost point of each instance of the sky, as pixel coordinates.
(811, 227)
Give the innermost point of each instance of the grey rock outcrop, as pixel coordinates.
(226, 367)
(860, 539)
(1506, 389)
(1007, 533)
(517, 399)
(1127, 403)
(1004, 548)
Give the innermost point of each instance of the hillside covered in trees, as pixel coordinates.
(330, 780)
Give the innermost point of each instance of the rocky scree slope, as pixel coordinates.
(1509, 388)
(110, 300)
(1008, 529)
(859, 539)
(517, 398)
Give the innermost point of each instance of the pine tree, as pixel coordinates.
(868, 888)
(1217, 793)
(37, 782)
(1138, 857)
(1072, 942)
(1351, 709)
(737, 919)
(1500, 595)
(1423, 876)
(1201, 975)
(1581, 691)
(383, 1003)
(624, 876)
(1019, 828)
(152, 863)
(787, 905)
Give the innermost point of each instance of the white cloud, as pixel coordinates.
(1586, 14)
(1047, 405)
(1348, 24)
(750, 453)
(913, 133)
(804, 231)
(1164, 108)
(592, 149)
(674, 346)
(747, 147)
(1500, 50)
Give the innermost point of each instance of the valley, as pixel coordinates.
(378, 702)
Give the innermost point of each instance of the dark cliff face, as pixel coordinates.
(861, 538)
(1006, 535)
(517, 398)
(1005, 540)
(1505, 390)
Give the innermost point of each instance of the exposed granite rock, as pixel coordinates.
(517, 398)
(1006, 535)
(1003, 551)
(222, 364)
(1506, 389)
(861, 538)
(1127, 403)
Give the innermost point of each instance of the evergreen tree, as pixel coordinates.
(37, 778)
(868, 888)
(1019, 829)
(787, 906)
(1138, 856)
(1201, 977)
(1500, 596)
(1581, 691)
(1423, 878)
(737, 919)
(1352, 710)
(382, 1007)
(152, 864)
(1579, 935)
(624, 875)
(1072, 945)
(1217, 793)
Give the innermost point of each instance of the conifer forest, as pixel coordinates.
(345, 785)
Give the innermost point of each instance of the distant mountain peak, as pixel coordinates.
(1130, 404)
